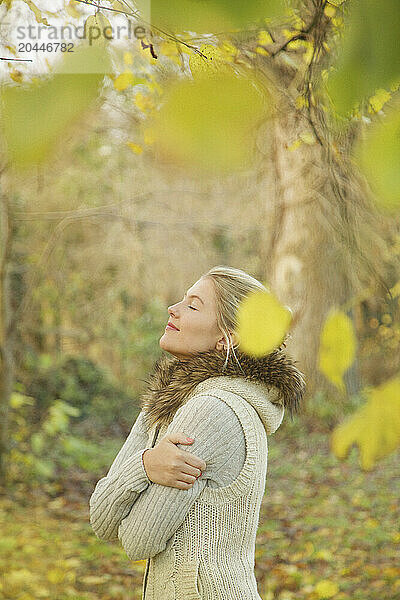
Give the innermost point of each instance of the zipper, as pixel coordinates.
(148, 560)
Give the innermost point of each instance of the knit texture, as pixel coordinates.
(115, 493)
(200, 542)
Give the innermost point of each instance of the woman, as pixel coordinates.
(193, 511)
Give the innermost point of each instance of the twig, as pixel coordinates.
(17, 59)
(299, 36)
(165, 33)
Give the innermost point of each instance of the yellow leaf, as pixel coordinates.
(11, 48)
(72, 9)
(262, 323)
(38, 14)
(169, 48)
(98, 29)
(337, 347)
(56, 575)
(307, 137)
(301, 102)
(377, 101)
(16, 76)
(371, 523)
(124, 80)
(118, 5)
(288, 33)
(229, 50)
(326, 589)
(324, 554)
(264, 38)
(330, 11)
(395, 290)
(128, 58)
(309, 53)
(295, 145)
(217, 62)
(148, 136)
(135, 147)
(375, 427)
(262, 51)
(144, 102)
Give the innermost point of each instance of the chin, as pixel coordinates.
(164, 345)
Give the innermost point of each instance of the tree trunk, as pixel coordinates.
(325, 242)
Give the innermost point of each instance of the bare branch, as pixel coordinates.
(135, 15)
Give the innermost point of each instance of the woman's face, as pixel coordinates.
(195, 320)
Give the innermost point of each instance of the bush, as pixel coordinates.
(80, 383)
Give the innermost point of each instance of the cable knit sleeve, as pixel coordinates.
(160, 510)
(115, 493)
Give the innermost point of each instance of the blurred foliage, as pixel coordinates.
(77, 381)
(46, 108)
(337, 347)
(64, 441)
(216, 16)
(375, 427)
(379, 157)
(262, 323)
(369, 57)
(208, 125)
(38, 454)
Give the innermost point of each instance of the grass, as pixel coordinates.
(326, 530)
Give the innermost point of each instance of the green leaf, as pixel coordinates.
(209, 125)
(370, 56)
(211, 16)
(378, 156)
(35, 117)
(44, 468)
(37, 442)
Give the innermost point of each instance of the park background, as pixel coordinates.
(266, 139)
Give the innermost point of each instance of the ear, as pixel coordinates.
(221, 343)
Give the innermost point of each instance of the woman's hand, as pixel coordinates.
(167, 465)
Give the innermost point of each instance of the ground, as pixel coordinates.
(326, 530)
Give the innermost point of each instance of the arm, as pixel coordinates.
(115, 493)
(160, 510)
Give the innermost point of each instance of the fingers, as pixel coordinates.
(179, 438)
(190, 470)
(194, 461)
(181, 485)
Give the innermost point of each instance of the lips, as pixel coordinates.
(171, 326)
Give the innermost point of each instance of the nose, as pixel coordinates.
(172, 310)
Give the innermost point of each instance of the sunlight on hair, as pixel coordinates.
(262, 323)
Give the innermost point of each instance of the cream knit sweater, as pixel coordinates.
(200, 542)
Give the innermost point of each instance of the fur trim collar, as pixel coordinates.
(173, 380)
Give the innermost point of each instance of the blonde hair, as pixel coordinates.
(231, 286)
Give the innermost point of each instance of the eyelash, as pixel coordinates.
(192, 307)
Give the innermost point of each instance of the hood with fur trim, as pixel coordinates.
(173, 381)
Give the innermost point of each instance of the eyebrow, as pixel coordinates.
(194, 296)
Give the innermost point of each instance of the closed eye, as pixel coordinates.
(192, 307)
